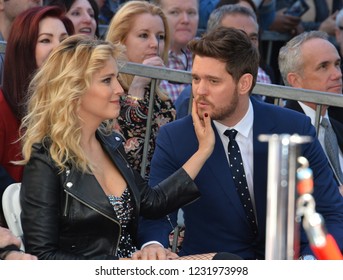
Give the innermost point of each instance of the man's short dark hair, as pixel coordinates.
(231, 46)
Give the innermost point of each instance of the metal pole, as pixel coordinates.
(281, 229)
(148, 127)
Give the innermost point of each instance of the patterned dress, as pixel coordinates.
(123, 207)
(132, 123)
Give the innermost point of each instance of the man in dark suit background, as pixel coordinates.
(224, 74)
(311, 61)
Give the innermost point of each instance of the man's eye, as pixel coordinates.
(192, 13)
(174, 13)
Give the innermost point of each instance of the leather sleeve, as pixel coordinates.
(172, 193)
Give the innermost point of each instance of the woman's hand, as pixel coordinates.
(203, 130)
(139, 83)
(154, 252)
(205, 134)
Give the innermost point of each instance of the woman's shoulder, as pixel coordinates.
(41, 149)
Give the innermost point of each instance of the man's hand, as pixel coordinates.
(16, 255)
(154, 252)
(329, 24)
(285, 23)
(7, 238)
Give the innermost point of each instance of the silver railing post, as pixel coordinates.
(148, 127)
(282, 233)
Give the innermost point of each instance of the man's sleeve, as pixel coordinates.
(163, 164)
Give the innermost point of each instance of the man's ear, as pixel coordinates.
(245, 83)
(294, 80)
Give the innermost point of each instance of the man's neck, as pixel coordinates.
(314, 107)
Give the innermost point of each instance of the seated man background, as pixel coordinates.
(301, 67)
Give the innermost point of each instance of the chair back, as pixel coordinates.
(12, 210)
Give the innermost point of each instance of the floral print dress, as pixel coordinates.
(132, 123)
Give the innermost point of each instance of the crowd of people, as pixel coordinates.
(106, 159)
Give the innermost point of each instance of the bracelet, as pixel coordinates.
(8, 249)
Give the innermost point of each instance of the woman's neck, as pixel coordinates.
(177, 48)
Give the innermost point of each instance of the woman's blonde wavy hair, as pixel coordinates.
(121, 25)
(56, 92)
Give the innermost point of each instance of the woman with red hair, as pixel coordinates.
(34, 33)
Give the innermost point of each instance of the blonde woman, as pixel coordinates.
(143, 29)
(80, 198)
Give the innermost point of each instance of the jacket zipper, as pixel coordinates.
(96, 210)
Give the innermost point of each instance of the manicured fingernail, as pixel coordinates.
(206, 115)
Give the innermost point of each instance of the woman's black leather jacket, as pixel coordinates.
(66, 215)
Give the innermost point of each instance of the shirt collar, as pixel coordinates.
(311, 113)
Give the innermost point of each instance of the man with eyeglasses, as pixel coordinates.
(183, 18)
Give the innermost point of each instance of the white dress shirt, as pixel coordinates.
(244, 139)
(312, 114)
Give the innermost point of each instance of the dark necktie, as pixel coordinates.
(238, 175)
(331, 148)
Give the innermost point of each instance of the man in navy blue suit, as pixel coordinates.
(224, 74)
(301, 68)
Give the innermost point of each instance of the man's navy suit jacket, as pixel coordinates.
(216, 221)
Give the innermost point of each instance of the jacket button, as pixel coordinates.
(69, 184)
(117, 138)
